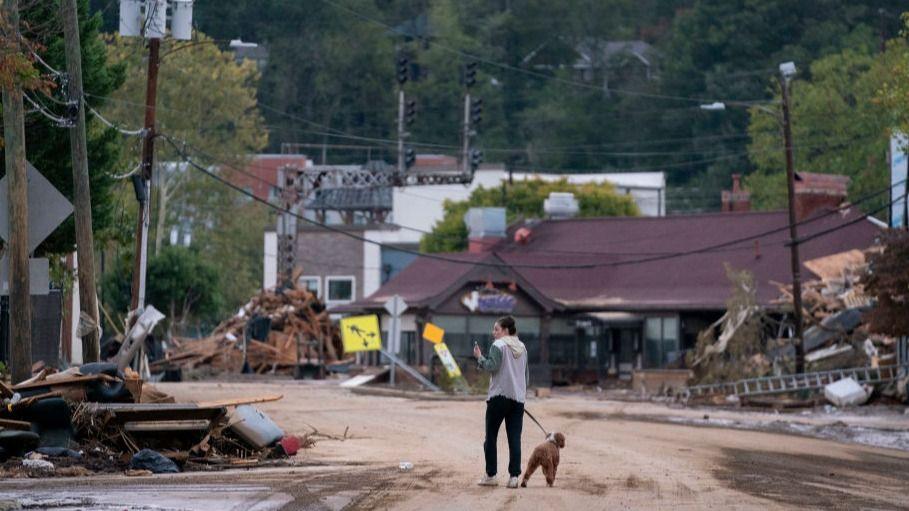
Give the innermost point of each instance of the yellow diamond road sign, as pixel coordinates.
(361, 333)
(433, 333)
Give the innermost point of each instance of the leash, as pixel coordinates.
(534, 419)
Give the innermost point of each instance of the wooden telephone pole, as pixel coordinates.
(88, 298)
(14, 140)
(795, 261)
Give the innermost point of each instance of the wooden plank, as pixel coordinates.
(5, 391)
(132, 412)
(72, 380)
(14, 424)
(179, 425)
(241, 401)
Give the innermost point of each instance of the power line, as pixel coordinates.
(343, 232)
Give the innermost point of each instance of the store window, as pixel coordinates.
(661, 341)
(340, 289)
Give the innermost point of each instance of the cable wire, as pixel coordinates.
(452, 260)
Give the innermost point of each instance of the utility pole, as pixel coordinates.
(14, 140)
(88, 299)
(787, 71)
(152, 25)
(142, 180)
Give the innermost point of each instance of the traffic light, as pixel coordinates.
(470, 74)
(476, 111)
(402, 69)
(410, 157)
(410, 112)
(476, 158)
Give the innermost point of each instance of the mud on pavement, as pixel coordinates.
(821, 482)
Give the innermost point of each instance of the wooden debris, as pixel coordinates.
(241, 401)
(14, 424)
(300, 326)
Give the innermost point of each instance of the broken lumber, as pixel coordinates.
(241, 401)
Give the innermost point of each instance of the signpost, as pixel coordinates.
(395, 307)
(48, 208)
(435, 335)
(448, 361)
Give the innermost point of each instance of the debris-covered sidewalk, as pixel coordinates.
(99, 419)
(748, 354)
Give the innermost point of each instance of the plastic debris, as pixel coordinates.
(148, 459)
(846, 392)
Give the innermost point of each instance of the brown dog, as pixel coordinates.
(545, 455)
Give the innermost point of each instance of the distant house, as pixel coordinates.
(600, 297)
(249, 51)
(259, 175)
(624, 60)
(623, 64)
(412, 211)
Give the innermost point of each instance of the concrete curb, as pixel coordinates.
(414, 394)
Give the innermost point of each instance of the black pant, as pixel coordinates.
(499, 409)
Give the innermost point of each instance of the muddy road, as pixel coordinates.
(618, 456)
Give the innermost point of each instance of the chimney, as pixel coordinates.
(818, 192)
(738, 199)
(561, 205)
(485, 228)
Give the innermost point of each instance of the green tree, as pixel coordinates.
(838, 126)
(523, 199)
(894, 90)
(182, 283)
(47, 144)
(207, 100)
(726, 50)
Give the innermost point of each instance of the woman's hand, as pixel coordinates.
(476, 351)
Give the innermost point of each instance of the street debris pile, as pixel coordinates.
(97, 418)
(277, 327)
(747, 352)
(836, 334)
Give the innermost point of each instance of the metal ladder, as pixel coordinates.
(795, 382)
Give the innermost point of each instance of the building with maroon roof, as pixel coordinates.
(260, 174)
(601, 297)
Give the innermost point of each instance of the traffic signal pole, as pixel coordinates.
(465, 150)
(401, 165)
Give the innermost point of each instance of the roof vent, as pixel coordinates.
(561, 205)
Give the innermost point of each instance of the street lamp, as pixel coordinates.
(787, 72)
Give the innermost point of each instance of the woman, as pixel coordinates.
(507, 361)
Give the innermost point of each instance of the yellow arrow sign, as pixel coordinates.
(361, 333)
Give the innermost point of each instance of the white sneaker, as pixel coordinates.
(513, 482)
(488, 481)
